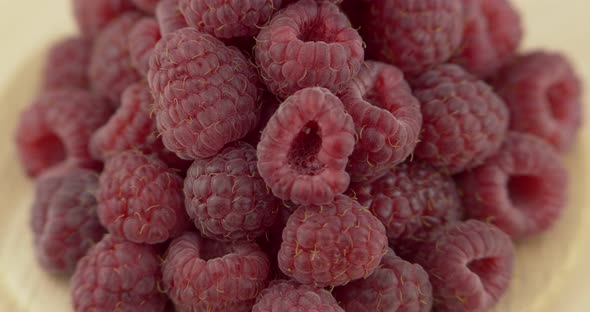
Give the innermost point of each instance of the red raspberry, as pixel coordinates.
(396, 286)
(305, 146)
(522, 189)
(148, 6)
(169, 16)
(464, 120)
(233, 306)
(469, 264)
(142, 40)
(200, 272)
(332, 244)
(293, 297)
(491, 35)
(387, 120)
(67, 64)
(140, 199)
(228, 19)
(110, 68)
(93, 15)
(308, 44)
(56, 129)
(544, 96)
(207, 94)
(118, 275)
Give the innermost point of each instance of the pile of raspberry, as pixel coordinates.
(295, 155)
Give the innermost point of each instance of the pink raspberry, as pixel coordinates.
(199, 272)
(117, 275)
(142, 40)
(207, 94)
(387, 120)
(56, 129)
(148, 6)
(522, 189)
(94, 15)
(294, 297)
(332, 244)
(544, 96)
(396, 286)
(464, 120)
(308, 44)
(67, 64)
(140, 199)
(169, 16)
(304, 149)
(491, 35)
(233, 306)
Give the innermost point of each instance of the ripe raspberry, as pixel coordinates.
(491, 35)
(469, 264)
(56, 129)
(464, 120)
(169, 16)
(142, 40)
(117, 275)
(522, 189)
(110, 68)
(396, 286)
(305, 146)
(207, 94)
(294, 297)
(148, 6)
(387, 120)
(140, 199)
(308, 44)
(544, 95)
(332, 244)
(67, 64)
(94, 15)
(233, 306)
(201, 272)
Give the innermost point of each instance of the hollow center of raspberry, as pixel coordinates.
(557, 96)
(304, 149)
(486, 269)
(52, 149)
(316, 31)
(213, 249)
(524, 190)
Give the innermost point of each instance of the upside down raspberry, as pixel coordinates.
(304, 149)
(291, 296)
(169, 16)
(148, 6)
(93, 15)
(67, 64)
(142, 40)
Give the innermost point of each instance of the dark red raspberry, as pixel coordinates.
(111, 71)
(56, 129)
(207, 94)
(332, 244)
(199, 272)
(169, 16)
(304, 149)
(396, 286)
(544, 95)
(118, 275)
(308, 44)
(522, 189)
(387, 120)
(294, 297)
(469, 264)
(140, 199)
(491, 35)
(142, 40)
(93, 15)
(233, 306)
(67, 64)
(464, 120)
(148, 6)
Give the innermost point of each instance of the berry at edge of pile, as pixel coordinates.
(304, 149)
(282, 295)
(148, 6)
(92, 16)
(308, 44)
(67, 64)
(207, 94)
(142, 40)
(169, 16)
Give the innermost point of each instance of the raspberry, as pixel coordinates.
(110, 68)
(94, 15)
(464, 120)
(140, 199)
(387, 120)
(142, 40)
(522, 189)
(332, 244)
(228, 19)
(207, 94)
(544, 95)
(396, 286)
(169, 16)
(270, 104)
(305, 146)
(491, 35)
(67, 64)
(226, 197)
(308, 44)
(233, 306)
(56, 129)
(293, 297)
(469, 264)
(118, 275)
(148, 6)
(200, 272)
(64, 220)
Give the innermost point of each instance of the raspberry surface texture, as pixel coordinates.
(294, 297)
(67, 64)
(207, 94)
(142, 40)
(304, 149)
(148, 6)
(169, 16)
(93, 16)
(464, 120)
(117, 275)
(308, 44)
(332, 244)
